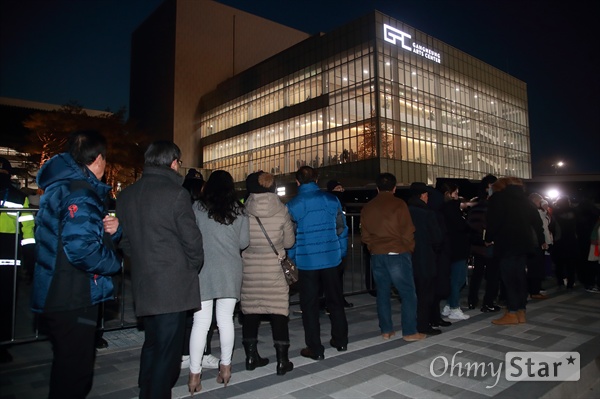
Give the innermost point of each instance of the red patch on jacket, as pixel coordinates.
(72, 210)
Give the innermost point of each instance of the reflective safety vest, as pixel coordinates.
(15, 200)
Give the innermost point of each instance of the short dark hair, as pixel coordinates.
(488, 179)
(161, 153)
(85, 146)
(306, 174)
(386, 181)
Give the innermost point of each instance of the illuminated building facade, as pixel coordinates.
(373, 96)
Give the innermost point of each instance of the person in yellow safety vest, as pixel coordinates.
(10, 253)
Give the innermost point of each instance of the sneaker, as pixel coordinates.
(446, 311)
(457, 314)
(490, 308)
(185, 361)
(210, 362)
(593, 290)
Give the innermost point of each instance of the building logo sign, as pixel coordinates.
(395, 36)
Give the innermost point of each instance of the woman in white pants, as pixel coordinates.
(224, 226)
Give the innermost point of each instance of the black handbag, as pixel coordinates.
(290, 271)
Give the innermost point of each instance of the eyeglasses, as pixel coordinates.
(180, 162)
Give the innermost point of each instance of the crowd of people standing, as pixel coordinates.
(199, 254)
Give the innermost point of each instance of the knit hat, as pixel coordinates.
(418, 188)
(332, 184)
(260, 182)
(5, 165)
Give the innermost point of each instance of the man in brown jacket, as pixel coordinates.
(388, 232)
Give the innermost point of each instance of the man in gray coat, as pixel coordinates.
(164, 244)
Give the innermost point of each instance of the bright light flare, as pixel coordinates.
(553, 193)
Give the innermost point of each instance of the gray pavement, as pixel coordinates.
(371, 368)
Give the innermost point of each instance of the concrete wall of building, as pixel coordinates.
(213, 43)
(152, 73)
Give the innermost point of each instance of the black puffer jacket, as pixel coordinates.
(513, 223)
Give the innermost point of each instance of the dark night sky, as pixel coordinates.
(62, 50)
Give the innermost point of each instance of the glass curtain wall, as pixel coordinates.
(451, 120)
(461, 118)
(332, 135)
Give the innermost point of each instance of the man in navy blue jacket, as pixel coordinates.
(74, 259)
(321, 243)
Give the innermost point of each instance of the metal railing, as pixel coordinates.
(119, 314)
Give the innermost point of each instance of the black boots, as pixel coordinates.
(283, 363)
(253, 359)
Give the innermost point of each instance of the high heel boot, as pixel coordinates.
(224, 374)
(194, 383)
(283, 362)
(253, 359)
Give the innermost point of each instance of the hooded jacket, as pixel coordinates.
(264, 288)
(321, 230)
(74, 259)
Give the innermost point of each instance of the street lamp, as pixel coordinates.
(557, 165)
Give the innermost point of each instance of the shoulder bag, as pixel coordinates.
(290, 271)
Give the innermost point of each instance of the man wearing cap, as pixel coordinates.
(388, 231)
(321, 243)
(428, 241)
(11, 198)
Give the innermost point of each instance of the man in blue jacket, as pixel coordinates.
(321, 243)
(74, 258)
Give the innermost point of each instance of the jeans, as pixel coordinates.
(458, 277)
(202, 322)
(396, 270)
(309, 282)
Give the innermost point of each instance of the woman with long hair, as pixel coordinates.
(264, 288)
(223, 222)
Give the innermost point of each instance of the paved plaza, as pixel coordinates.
(370, 368)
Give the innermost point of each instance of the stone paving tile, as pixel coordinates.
(371, 368)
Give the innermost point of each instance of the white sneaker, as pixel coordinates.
(185, 361)
(210, 362)
(446, 311)
(457, 314)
